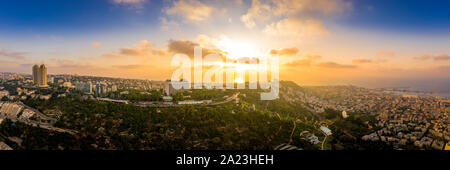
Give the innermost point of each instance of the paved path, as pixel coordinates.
(41, 115)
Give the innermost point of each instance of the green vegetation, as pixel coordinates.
(251, 123)
(136, 95)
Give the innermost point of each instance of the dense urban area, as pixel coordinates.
(59, 112)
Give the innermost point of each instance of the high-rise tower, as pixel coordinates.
(36, 75)
(43, 75)
(40, 75)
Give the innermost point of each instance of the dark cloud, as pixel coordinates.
(335, 65)
(182, 46)
(187, 47)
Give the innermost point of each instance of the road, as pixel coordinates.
(38, 113)
(40, 124)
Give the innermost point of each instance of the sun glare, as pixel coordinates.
(239, 80)
(237, 48)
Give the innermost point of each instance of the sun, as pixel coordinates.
(237, 48)
(239, 80)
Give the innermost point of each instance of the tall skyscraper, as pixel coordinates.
(36, 75)
(40, 75)
(43, 75)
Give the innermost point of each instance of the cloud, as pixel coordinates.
(424, 57)
(142, 49)
(262, 10)
(362, 61)
(190, 10)
(132, 4)
(442, 57)
(258, 11)
(299, 63)
(131, 66)
(128, 1)
(26, 65)
(96, 45)
(187, 47)
(310, 7)
(334, 65)
(294, 27)
(313, 57)
(386, 53)
(13, 55)
(167, 25)
(182, 46)
(285, 51)
(368, 61)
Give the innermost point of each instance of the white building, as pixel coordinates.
(100, 88)
(27, 113)
(325, 130)
(10, 109)
(344, 114)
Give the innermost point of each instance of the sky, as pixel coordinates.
(370, 43)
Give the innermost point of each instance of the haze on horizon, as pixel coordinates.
(319, 42)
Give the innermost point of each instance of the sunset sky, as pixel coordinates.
(372, 43)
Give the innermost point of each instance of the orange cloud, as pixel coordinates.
(366, 61)
(361, 61)
(424, 57)
(131, 66)
(96, 45)
(141, 49)
(299, 63)
(386, 53)
(285, 51)
(335, 65)
(313, 57)
(442, 57)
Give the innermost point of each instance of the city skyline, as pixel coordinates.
(366, 43)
